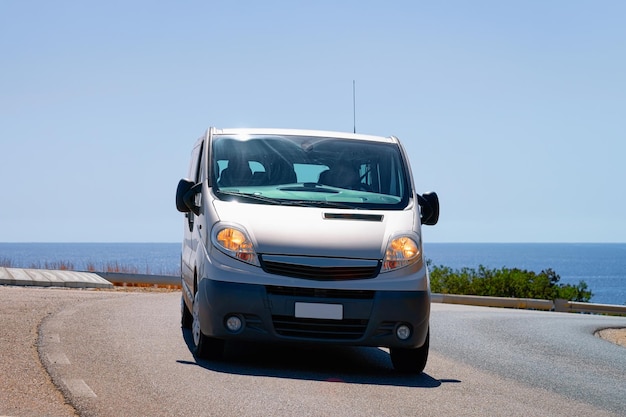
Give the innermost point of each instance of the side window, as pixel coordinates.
(197, 177)
(193, 165)
(195, 171)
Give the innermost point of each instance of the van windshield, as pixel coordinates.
(309, 171)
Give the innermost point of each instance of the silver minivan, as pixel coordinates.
(300, 236)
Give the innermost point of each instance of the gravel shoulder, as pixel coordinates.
(617, 336)
(26, 388)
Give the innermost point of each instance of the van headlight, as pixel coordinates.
(401, 251)
(235, 243)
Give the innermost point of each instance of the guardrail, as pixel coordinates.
(117, 278)
(530, 304)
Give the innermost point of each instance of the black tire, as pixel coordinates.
(209, 348)
(186, 319)
(410, 360)
(205, 347)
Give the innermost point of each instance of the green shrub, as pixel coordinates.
(505, 282)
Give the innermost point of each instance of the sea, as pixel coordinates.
(601, 265)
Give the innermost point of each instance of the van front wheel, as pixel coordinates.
(410, 360)
(204, 347)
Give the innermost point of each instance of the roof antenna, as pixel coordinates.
(354, 105)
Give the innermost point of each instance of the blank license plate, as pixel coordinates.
(319, 311)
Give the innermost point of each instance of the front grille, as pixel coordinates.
(347, 329)
(320, 273)
(320, 292)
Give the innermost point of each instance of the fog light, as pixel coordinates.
(233, 323)
(403, 332)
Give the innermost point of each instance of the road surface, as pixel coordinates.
(124, 354)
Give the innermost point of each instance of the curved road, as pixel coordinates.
(124, 354)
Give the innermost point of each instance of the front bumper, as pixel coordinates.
(368, 318)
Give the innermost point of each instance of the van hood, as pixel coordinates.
(313, 231)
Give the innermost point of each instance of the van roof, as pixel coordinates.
(302, 132)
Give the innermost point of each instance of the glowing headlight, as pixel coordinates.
(235, 243)
(401, 251)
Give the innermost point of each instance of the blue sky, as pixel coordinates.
(513, 111)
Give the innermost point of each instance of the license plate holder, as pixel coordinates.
(319, 311)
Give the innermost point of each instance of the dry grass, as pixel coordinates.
(59, 266)
(126, 287)
(115, 267)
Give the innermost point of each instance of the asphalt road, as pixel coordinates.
(124, 354)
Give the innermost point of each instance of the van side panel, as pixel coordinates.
(190, 241)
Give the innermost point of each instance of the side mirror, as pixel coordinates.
(429, 203)
(185, 196)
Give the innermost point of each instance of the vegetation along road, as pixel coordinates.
(112, 352)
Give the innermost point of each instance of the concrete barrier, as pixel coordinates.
(530, 304)
(120, 278)
(523, 303)
(51, 278)
(577, 307)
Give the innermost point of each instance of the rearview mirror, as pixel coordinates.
(429, 203)
(185, 196)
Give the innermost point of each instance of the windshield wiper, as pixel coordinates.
(328, 204)
(257, 197)
(270, 200)
(287, 202)
(310, 186)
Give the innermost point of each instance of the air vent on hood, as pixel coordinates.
(354, 216)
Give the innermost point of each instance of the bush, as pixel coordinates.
(505, 282)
